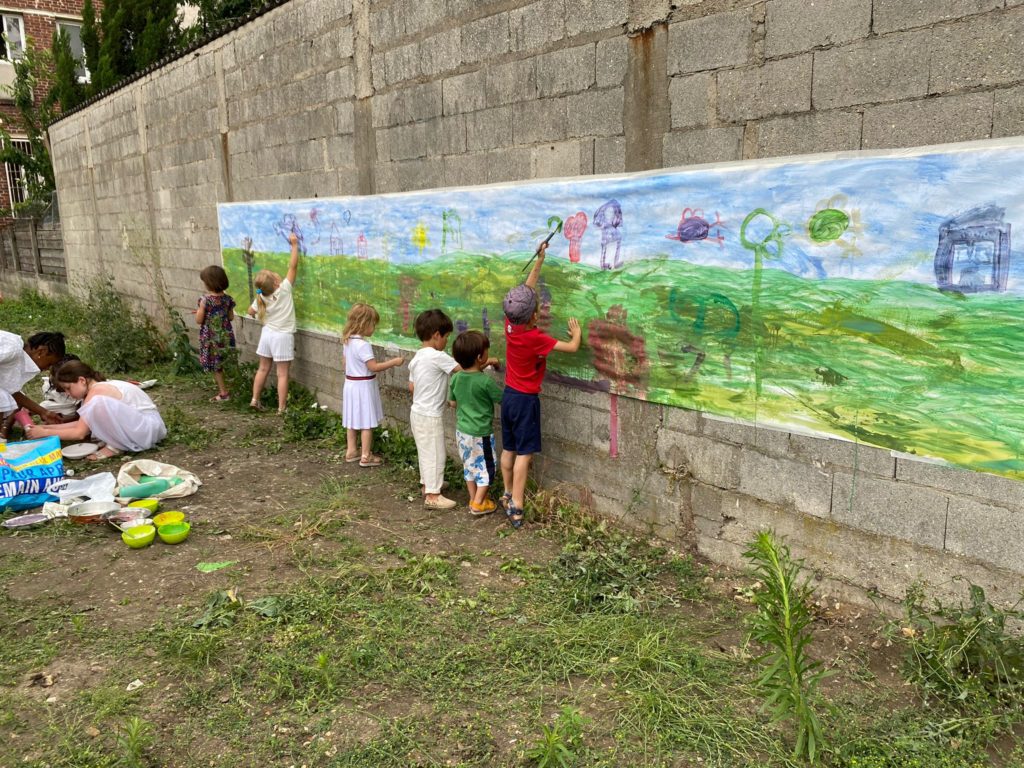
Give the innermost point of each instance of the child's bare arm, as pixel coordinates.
(412, 387)
(376, 367)
(201, 313)
(535, 272)
(577, 337)
(293, 263)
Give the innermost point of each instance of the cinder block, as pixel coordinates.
(558, 159)
(890, 508)
(537, 24)
(826, 452)
(511, 82)
(711, 42)
(891, 15)
(421, 15)
(707, 461)
(790, 484)
(486, 38)
(463, 93)
(704, 145)
(510, 164)
(806, 134)
(1001, 490)
(567, 70)
(610, 155)
(1008, 112)
(489, 128)
(692, 100)
(611, 56)
(682, 420)
(887, 68)
(980, 51)
(595, 113)
(442, 52)
(583, 16)
(407, 105)
(539, 121)
(410, 174)
(775, 88)
(386, 26)
(987, 533)
(792, 26)
(929, 121)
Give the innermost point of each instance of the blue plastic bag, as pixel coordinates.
(27, 470)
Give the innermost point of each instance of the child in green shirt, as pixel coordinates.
(474, 395)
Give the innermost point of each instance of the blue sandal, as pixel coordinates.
(515, 515)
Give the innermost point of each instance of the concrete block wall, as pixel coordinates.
(327, 98)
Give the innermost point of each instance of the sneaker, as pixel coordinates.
(440, 502)
(485, 508)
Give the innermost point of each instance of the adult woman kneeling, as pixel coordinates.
(116, 412)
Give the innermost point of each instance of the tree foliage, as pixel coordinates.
(215, 13)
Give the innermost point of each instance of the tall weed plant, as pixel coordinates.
(122, 337)
(782, 624)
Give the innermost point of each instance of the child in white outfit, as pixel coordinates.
(428, 382)
(361, 409)
(275, 308)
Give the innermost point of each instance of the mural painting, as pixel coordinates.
(874, 298)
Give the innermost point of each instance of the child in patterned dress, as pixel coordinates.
(213, 316)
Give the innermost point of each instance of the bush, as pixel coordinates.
(122, 338)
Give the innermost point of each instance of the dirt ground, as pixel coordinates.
(85, 603)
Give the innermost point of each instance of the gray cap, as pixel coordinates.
(520, 304)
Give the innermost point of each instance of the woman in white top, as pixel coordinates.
(275, 308)
(116, 412)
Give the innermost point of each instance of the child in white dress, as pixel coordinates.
(275, 308)
(116, 412)
(361, 409)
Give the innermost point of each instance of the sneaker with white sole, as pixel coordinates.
(440, 502)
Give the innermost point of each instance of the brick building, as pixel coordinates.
(31, 22)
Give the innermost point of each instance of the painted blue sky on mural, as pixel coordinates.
(894, 207)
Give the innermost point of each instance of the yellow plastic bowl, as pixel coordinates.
(140, 536)
(173, 533)
(166, 518)
(150, 505)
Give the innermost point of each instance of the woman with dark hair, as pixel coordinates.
(116, 412)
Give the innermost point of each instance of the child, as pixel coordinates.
(474, 395)
(56, 399)
(526, 350)
(276, 310)
(19, 363)
(361, 406)
(214, 315)
(428, 381)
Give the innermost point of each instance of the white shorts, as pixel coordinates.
(276, 344)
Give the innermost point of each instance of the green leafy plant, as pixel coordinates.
(396, 446)
(306, 419)
(603, 570)
(123, 338)
(560, 742)
(963, 653)
(782, 623)
(132, 741)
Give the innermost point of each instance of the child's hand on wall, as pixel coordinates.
(574, 329)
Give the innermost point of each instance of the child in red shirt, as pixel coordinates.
(526, 352)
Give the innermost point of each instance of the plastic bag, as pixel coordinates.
(132, 471)
(28, 470)
(98, 487)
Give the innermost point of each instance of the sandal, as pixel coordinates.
(350, 459)
(506, 500)
(515, 516)
(104, 453)
(372, 460)
(254, 406)
(220, 398)
(480, 510)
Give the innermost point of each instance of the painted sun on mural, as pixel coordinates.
(874, 298)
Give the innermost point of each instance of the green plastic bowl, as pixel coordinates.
(150, 505)
(174, 533)
(166, 518)
(140, 536)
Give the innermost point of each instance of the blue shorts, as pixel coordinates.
(520, 422)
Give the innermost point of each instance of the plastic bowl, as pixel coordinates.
(174, 533)
(89, 512)
(150, 505)
(139, 536)
(166, 518)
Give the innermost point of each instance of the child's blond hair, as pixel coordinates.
(362, 318)
(266, 282)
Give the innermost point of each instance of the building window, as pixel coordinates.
(74, 32)
(17, 176)
(12, 46)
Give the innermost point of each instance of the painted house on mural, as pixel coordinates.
(32, 22)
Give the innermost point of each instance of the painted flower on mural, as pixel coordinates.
(831, 224)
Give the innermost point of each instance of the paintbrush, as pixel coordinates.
(546, 240)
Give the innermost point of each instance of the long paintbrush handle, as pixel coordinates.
(537, 252)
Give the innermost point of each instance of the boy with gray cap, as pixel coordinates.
(526, 352)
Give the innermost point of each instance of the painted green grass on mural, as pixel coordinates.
(893, 364)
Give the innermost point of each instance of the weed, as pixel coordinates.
(133, 740)
(962, 653)
(604, 570)
(122, 337)
(185, 356)
(689, 576)
(783, 624)
(560, 742)
(182, 429)
(518, 566)
(307, 420)
(396, 446)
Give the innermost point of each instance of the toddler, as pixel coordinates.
(275, 308)
(214, 315)
(428, 382)
(361, 407)
(526, 351)
(474, 395)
